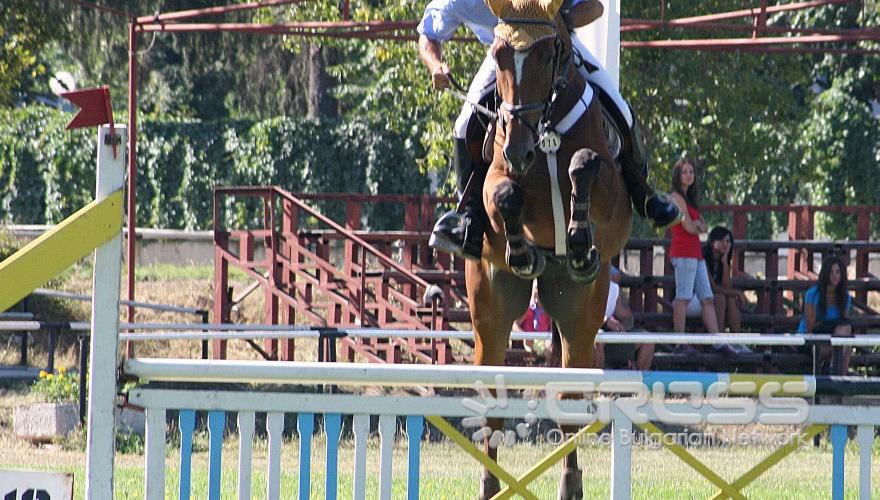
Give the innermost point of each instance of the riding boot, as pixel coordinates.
(462, 233)
(653, 205)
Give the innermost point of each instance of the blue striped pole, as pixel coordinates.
(305, 423)
(187, 423)
(415, 427)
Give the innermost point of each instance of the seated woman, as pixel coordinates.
(619, 319)
(718, 252)
(826, 308)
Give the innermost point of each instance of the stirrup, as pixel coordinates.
(657, 220)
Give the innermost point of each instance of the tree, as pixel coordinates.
(26, 28)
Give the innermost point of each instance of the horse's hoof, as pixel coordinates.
(571, 485)
(489, 486)
(584, 269)
(527, 266)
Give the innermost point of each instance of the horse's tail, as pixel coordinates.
(553, 355)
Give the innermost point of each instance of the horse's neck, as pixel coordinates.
(569, 97)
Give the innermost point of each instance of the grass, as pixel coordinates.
(447, 472)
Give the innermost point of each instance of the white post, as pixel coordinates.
(621, 457)
(865, 437)
(602, 38)
(105, 331)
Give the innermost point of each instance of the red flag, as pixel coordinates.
(95, 107)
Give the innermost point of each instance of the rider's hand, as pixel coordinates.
(440, 76)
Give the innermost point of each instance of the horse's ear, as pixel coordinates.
(497, 6)
(551, 7)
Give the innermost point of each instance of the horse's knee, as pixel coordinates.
(509, 199)
(585, 161)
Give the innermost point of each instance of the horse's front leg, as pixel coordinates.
(582, 255)
(523, 258)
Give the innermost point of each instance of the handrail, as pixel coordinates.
(349, 234)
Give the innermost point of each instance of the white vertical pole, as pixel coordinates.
(612, 45)
(246, 424)
(387, 429)
(361, 427)
(274, 426)
(621, 458)
(865, 437)
(154, 472)
(602, 38)
(105, 331)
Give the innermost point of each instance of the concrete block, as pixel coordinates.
(43, 422)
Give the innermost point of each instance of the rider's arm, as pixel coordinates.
(583, 13)
(431, 52)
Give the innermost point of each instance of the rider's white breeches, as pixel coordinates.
(484, 83)
(603, 80)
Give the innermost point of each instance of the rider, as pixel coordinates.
(462, 234)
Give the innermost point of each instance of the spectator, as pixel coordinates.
(691, 276)
(826, 309)
(619, 319)
(534, 320)
(717, 253)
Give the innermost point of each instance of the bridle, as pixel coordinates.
(561, 69)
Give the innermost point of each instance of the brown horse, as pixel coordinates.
(541, 92)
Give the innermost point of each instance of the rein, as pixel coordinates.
(458, 91)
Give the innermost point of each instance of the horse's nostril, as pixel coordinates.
(530, 157)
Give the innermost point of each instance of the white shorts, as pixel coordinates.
(482, 84)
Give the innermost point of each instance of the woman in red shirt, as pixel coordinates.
(691, 276)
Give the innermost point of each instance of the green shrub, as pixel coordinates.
(47, 173)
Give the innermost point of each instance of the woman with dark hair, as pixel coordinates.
(691, 276)
(718, 252)
(827, 305)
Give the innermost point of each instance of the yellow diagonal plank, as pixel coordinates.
(562, 450)
(695, 464)
(774, 458)
(57, 249)
(471, 449)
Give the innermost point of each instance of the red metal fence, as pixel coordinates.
(314, 271)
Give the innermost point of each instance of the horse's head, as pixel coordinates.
(528, 51)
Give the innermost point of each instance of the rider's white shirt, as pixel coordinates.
(443, 17)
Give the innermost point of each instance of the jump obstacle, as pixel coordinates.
(219, 403)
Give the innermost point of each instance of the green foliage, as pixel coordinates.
(26, 27)
(49, 173)
(755, 122)
(760, 125)
(58, 387)
(8, 245)
(129, 443)
(196, 75)
(844, 148)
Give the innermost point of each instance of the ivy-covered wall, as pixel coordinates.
(47, 172)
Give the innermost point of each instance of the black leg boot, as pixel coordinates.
(461, 233)
(653, 205)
